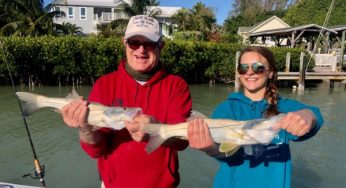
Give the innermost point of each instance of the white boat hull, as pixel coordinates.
(11, 185)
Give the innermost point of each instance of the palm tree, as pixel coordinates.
(199, 18)
(70, 29)
(26, 18)
(202, 18)
(136, 7)
(182, 19)
(114, 28)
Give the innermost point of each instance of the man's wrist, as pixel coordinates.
(88, 135)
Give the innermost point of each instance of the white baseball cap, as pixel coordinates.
(143, 25)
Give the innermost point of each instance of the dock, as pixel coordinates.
(332, 76)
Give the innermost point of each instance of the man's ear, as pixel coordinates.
(123, 40)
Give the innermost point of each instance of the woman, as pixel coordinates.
(257, 165)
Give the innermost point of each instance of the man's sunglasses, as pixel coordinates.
(135, 44)
(257, 68)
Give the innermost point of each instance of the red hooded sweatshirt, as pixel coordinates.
(123, 162)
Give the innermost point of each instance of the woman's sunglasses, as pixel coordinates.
(135, 44)
(257, 68)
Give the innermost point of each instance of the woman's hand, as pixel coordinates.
(297, 123)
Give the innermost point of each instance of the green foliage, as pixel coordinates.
(26, 18)
(315, 11)
(199, 19)
(247, 13)
(189, 35)
(68, 60)
(204, 61)
(51, 60)
(231, 38)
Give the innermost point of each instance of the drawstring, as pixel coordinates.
(147, 98)
(136, 93)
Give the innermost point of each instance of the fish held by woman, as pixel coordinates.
(230, 134)
(99, 115)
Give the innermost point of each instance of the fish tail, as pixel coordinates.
(156, 134)
(31, 104)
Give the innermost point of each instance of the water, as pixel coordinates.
(318, 162)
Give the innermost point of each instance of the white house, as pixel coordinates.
(87, 14)
(165, 18)
(272, 23)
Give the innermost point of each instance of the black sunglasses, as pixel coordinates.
(135, 44)
(257, 68)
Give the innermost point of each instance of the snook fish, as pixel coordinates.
(230, 134)
(99, 115)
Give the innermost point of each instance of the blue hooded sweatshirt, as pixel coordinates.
(260, 166)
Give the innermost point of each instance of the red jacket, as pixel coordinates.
(123, 162)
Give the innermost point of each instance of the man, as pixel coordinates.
(140, 81)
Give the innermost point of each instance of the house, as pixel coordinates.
(165, 18)
(327, 44)
(275, 32)
(273, 22)
(87, 14)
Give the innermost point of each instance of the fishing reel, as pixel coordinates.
(35, 174)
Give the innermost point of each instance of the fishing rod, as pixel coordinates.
(39, 170)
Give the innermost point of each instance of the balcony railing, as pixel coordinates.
(106, 17)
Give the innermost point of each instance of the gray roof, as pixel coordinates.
(309, 28)
(165, 11)
(338, 28)
(93, 3)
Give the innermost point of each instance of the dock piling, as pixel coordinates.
(301, 81)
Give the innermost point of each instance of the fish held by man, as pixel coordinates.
(230, 134)
(98, 115)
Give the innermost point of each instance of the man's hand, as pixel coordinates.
(135, 127)
(200, 138)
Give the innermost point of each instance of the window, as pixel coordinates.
(59, 14)
(82, 13)
(70, 12)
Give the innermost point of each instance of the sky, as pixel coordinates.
(220, 7)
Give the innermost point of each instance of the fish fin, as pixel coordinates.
(229, 148)
(73, 95)
(31, 102)
(195, 114)
(29, 108)
(155, 133)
